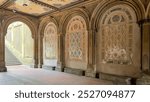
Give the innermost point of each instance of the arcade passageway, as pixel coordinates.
(24, 75)
(105, 39)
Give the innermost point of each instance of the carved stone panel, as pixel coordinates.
(50, 41)
(119, 39)
(76, 42)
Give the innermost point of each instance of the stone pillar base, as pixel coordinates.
(144, 79)
(3, 69)
(34, 66)
(41, 66)
(49, 67)
(74, 71)
(117, 80)
(59, 67)
(90, 72)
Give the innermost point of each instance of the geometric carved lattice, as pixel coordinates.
(117, 36)
(76, 38)
(50, 41)
(75, 48)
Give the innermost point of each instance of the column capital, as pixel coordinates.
(144, 21)
(60, 34)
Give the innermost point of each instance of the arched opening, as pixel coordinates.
(19, 46)
(76, 41)
(50, 46)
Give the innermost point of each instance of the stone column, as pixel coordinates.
(145, 25)
(35, 60)
(2, 50)
(90, 72)
(41, 50)
(61, 56)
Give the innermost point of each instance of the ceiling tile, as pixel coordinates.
(36, 7)
(29, 7)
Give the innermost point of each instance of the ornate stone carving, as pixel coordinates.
(50, 41)
(76, 38)
(117, 36)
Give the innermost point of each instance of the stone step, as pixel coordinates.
(10, 58)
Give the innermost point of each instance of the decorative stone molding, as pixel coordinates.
(103, 6)
(11, 19)
(65, 19)
(76, 42)
(32, 25)
(43, 24)
(118, 42)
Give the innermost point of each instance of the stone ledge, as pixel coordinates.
(144, 80)
(74, 71)
(117, 80)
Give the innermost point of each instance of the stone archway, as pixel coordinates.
(43, 27)
(119, 42)
(50, 45)
(76, 41)
(6, 22)
(18, 44)
(63, 28)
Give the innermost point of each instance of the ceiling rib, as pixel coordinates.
(44, 4)
(7, 3)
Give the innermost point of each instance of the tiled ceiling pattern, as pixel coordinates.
(36, 7)
(28, 7)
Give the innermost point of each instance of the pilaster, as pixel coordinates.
(41, 36)
(60, 62)
(35, 60)
(2, 50)
(145, 25)
(90, 72)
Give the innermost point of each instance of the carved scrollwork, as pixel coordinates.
(76, 38)
(50, 41)
(117, 36)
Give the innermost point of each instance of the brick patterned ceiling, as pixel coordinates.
(36, 7)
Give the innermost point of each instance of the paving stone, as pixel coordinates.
(23, 75)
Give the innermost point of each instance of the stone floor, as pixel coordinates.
(24, 75)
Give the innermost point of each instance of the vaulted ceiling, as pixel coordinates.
(42, 7)
(37, 7)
